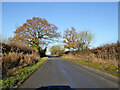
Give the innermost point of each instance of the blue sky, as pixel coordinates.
(101, 18)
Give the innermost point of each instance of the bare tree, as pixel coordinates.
(85, 40)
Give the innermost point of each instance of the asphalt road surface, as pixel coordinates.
(57, 71)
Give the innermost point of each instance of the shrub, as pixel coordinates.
(107, 54)
(16, 55)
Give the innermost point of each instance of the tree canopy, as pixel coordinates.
(79, 41)
(36, 32)
(85, 39)
(56, 49)
(70, 37)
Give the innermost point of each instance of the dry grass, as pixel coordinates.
(16, 47)
(16, 56)
(105, 58)
(107, 54)
(114, 70)
(18, 62)
(108, 51)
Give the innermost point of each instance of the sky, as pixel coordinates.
(100, 18)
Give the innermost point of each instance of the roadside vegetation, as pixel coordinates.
(14, 79)
(37, 33)
(105, 58)
(16, 56)
(57, 50)
(107, 54)
(18, 62)
(25, 52)
(113, 69)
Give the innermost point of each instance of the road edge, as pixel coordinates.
(30, 75)
(102, 73)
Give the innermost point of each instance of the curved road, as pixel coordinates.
(57, 71)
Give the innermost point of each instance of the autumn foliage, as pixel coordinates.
(108, 54)
(57, 50)
(16, 56)
(36, 32)
(77, 41)
(70, 38)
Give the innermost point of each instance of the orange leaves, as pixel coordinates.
(70, 38)
(27, 28)
(40, 20)
(37, 18)
(48, 34)
(33, 18)
(36, 29)
(28, 20)
(25, 24)
(64, 41)
(70, 32)
(57, 33)
(46, 22)
(76, 40)
(45, 30)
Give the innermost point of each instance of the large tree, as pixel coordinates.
(84, 40)
(70, 38)
(79, 41)
(36, 32)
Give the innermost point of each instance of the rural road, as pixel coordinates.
(57, 71)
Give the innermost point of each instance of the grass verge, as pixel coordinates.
(113, 70)
(13, 80)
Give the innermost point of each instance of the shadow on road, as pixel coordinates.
(61, 87)
(53, 56)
